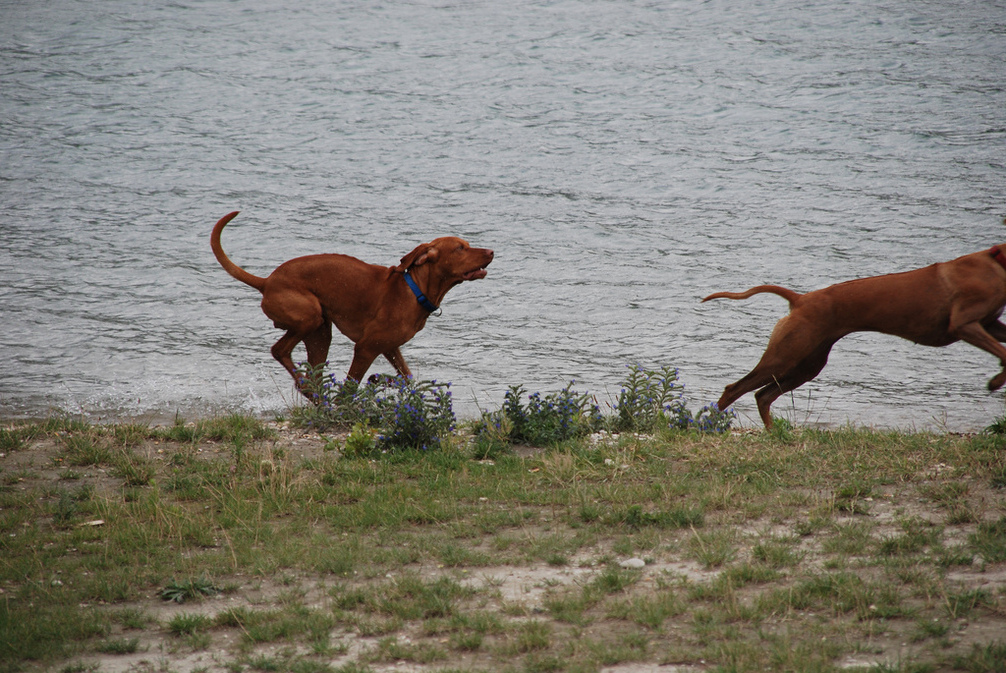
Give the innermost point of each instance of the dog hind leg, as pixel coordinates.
(804, 371)
(394, 356)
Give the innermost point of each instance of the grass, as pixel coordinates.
(793, 550)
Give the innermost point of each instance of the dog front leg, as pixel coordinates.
(997, 330)
(363, 356)
(974, 334)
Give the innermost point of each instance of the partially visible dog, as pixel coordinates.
(378, 307)
(934, 306)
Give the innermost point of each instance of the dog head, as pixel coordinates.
(452, 259)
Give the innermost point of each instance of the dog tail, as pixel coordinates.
(230, 267)
(785, 293)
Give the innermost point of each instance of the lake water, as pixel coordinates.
(623, 159)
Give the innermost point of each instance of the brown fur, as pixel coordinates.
(370, 304)
(934, 306)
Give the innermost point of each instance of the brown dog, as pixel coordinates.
(934, 306)
(378, 307)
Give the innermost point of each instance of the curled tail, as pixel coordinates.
(229, 266)
(785, 293)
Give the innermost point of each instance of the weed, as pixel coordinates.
(649, 610)
(649, 400)
(915, 538)
(614, 580)
(467, 641)
(492, 436)
(187, 624)
(712, 550)
(119, 646)
(66, 509)
(854, 498)
(782, 429)
(85, 449)
(418, 415)
(133, 618)
(961, 604)
(548, 420)
(533, 635)
(389, 649)
(679, 517)
(989, 541)
(647, 397)
(136, 471)
(129, 435)
(12, 439)
(930, 628)
(361, 441)
(988, 658)
(409, 597)
(997, 478)
(776, 553)
(181, 432)
(409, 414)
(181, 591)
(80, 667)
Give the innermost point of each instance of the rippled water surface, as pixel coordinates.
(623, 159)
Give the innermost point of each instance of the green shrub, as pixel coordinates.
(556, 417)
(649, 400)
(408, 414)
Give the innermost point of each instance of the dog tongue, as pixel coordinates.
(476, 274)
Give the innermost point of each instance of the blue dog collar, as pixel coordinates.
(420, 297)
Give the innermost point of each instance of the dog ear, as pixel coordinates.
(421, 255)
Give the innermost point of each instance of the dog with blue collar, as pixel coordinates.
(379, 308)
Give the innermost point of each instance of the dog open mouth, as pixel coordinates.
(476, 274)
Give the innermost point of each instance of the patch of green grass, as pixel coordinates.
(989, 541)
(85, 449)
(119, 646)
(997, 476)
(960, 604)
(854, 498)
(988, 658)
(571, 606)
(777, 553)
(133, 618)
(851, 539)
(180, 591)
(677, 517)
(135, 470)
(390, 650)
(713, 549)
(13, 439)
(129, 435)
(33, 632)
(650, 610)
(917, 536)
(931, 628)
(235, 427)
(187, 624)
(531, 636)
